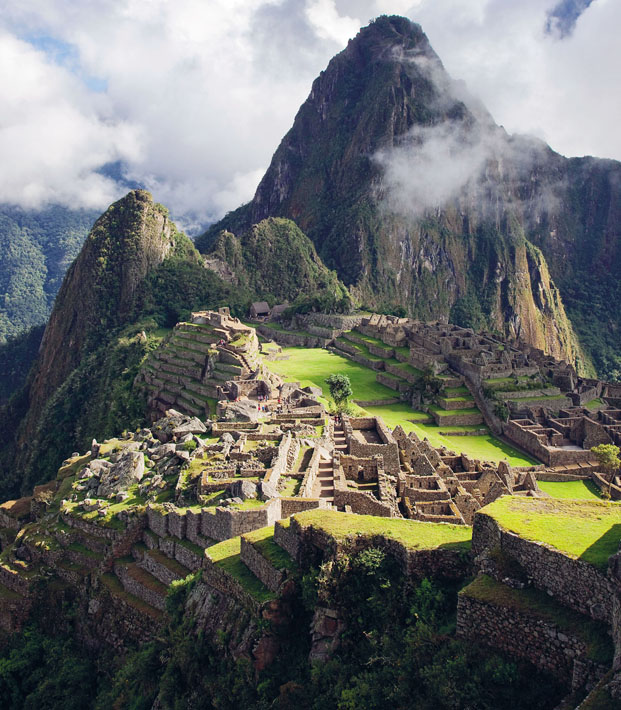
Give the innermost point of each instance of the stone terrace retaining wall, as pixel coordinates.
(271, 577)
(444, 562)
(218, 524)
(457, 419)
(133, 587)
(574, 583)
(224, 583)
(361, 502)
(226, 523)
(291, 506)
(524, 635)
(288, 539)
(292, 339)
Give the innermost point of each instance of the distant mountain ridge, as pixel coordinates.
(521, 234)
(36, 248)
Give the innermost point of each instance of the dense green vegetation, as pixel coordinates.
(397, 651)
(39, 671)
(275, 261)
(36, 247)
(16, 358)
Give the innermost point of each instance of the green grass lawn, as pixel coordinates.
(413, 534)
(585, 529)
(311, 366)
(487, 447)
(577, 490)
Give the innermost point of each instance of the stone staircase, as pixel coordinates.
(325, 477)
(340, 441)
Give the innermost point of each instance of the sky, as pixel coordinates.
(192, 97)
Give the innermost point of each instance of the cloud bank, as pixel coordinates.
(192, 97)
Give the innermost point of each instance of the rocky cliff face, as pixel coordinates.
(132, 237)
(417, 198)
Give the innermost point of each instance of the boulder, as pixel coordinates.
(267, 491)
(127, 471)
(243, 411)
(159, 452)
(242, 489)
(192, 426)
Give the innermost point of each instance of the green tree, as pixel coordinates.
(608, 459)
(340, 390)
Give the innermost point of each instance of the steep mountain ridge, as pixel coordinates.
(133, 236)
(274, 259)
(411, 192)
(36, 246)
(135, 272)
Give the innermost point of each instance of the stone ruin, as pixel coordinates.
(211, 358)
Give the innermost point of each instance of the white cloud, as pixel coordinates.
(198, 95)
(325, 19)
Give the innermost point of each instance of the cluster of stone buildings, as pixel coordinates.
(225, 499)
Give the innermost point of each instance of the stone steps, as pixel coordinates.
(141, 584)
(162, 567)
(82, 555)
(115, 588)
(325, 476)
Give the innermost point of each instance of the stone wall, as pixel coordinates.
(279, 464)
(457, 419)
(524, 635)
(575, 583)
(309, 486)
(291, 506)
(361, 502)
(388, 449)
(271, 577)
(219, 580)
(288, 538)
(301, 541)
(157, 601)
(356, 468)
(224, 523)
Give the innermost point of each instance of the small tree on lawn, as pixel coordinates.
(608, 459)
(340, 390)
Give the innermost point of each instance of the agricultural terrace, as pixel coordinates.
(585, 529)
(577, 490)
(311, 366)
(413, 534)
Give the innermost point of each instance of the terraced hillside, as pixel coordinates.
(190, 369)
